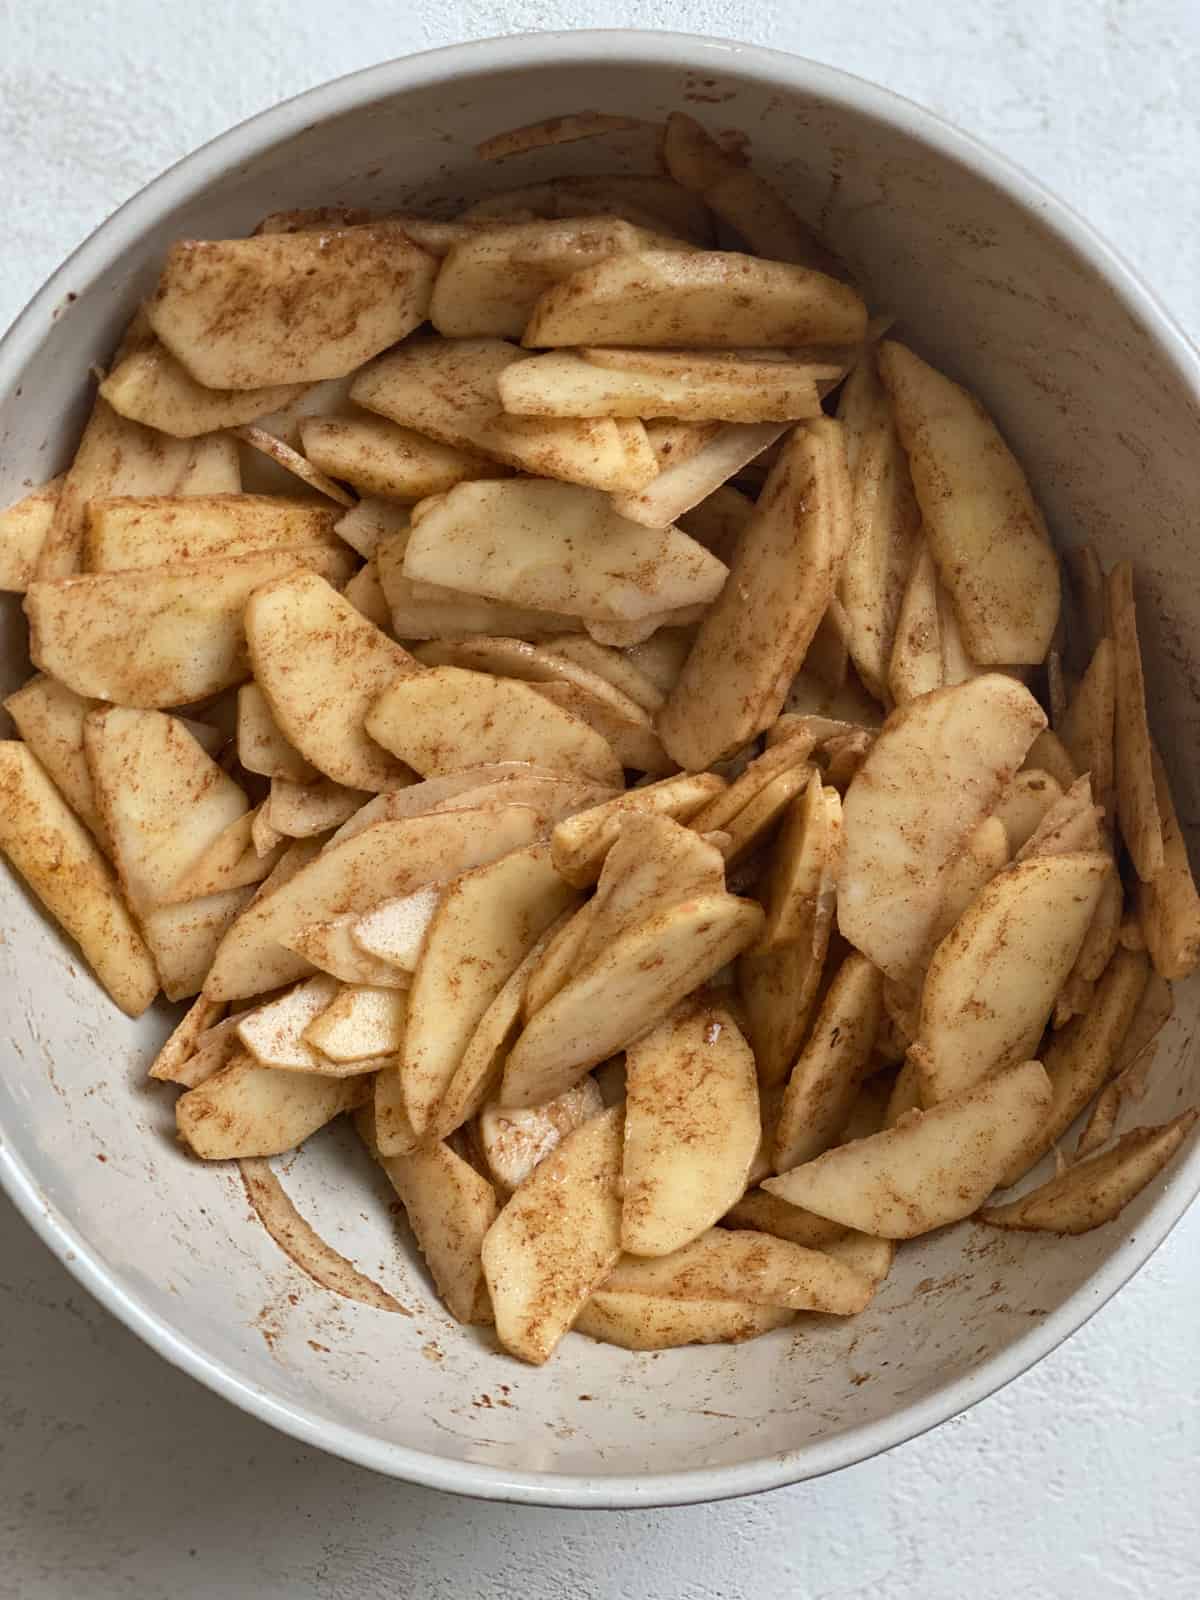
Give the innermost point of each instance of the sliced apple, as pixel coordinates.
(484, 926)
(380, 862)
(514, 1142)
(50, 718)
(739, 1264)
(992, 981)
(449, 389)
(274, 1033)
(689, 477)
(232, 860)
(556, 547)
(580, 843)
(159, 530)
(321, 665)
(915, 666)
(933, 1168)
(250, 1110)
(1024, 803)
(767, 1213)
(23, 531)
(289, 307)
(1069, 825)
(717, 299)
(984, 527)
(641, 199)
(58, 859)
(163, 636)
(557, 959)
(616, 667)
(378, 457)
(556, 1239)
(826, 1078)
(445, 718)
(150, 386)
(1169, 905)
(1096, 1191)
(657, 1322)
(625, 991)
(1085, 1054)
(261, 744)
(936, 770)
(985, 854)
(170, 1064)
(691, 1127)
(330, 946)
(1087, 729)
(755, 635)
(184, 938)
(358, 1023)
(490, 281)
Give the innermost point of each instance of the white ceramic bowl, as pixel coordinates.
(1098, 392)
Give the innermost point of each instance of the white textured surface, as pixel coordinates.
(125, 1476)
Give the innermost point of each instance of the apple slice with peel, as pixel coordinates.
(581, 842)
(1096, 1191)
(59, 860)
(481, 931)
(321, 666)
(738, 1264)
(358, 1023)
(289, 307)
(992, 981)
(713, 299)
(513, 1142)
(380, 862)
(445, 718)
(756, 634)
(658, 1322)
(450, 1209)
(249, 1110)
(937, 768)
(624, 991)
(986, 532)
(557, 1239)
(161, 636)
(557, 547)
(933, 1168)
(164, 801)
(1084, 1054)
(825, 1079)
(691, 1127)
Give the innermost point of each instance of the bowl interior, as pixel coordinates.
(1101, 407)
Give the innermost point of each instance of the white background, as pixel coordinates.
(124, 1478)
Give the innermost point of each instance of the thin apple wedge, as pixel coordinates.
(378, 457)
(1087, 729)
(184, 938)
(1070, 824)
(641, 199)
(484, 925)
(1082, 1056)
(937, 768)
(164, 801)
(444, 718)
(450, 1209)
(1024, 803)
(274, 1033)
(23, 530)
(915, 666)
(162, 636)
(513, 1142)
(249, 1110)
(992, 982)
(581, 842)
(170, 1064)
(261, 744)
(689, 477)
(761, 1212)
(625, 991)
(756, 634)
(933, 1168)
(232, 860)
(489, 282)
(159, 530)
(657, 1322)
(563, 384)
(321, 666)
(289, 308)
(691, 1127)
(330, 946)
(304, 810)
(59, 860)
(556, 959)
(1095, 1191)
(715, 299)
(395, 930)
(740, 1264)
(1169, 905)
(985, 854)
(49, 717)
(555, 547)
(449, 389)
(358, 1023)
(985, 530)
(151, 387)
(780, 988)
(557, 1239)
(378, 863)
(825, 1080)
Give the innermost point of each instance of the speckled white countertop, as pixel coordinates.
(120, 1477)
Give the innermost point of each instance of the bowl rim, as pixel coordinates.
(97, 254)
